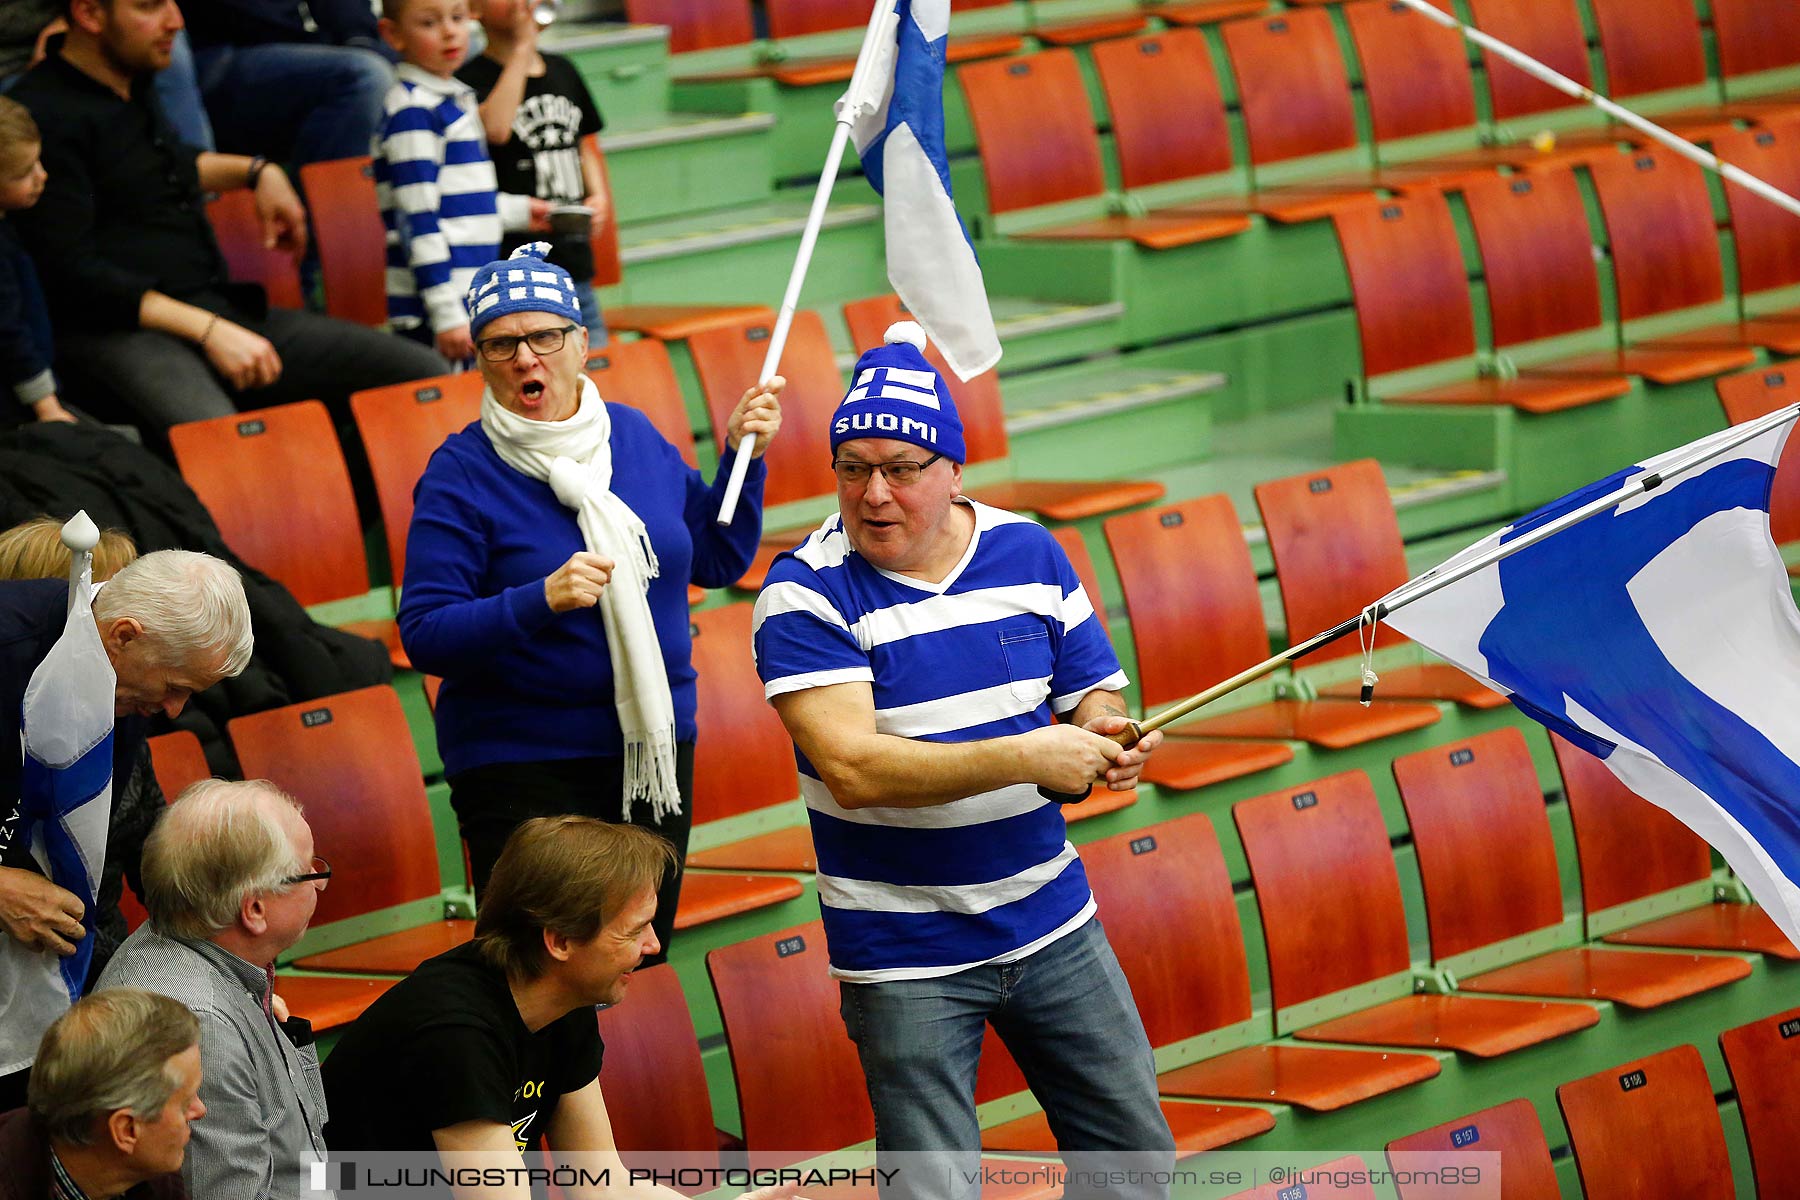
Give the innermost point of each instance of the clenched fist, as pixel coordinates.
(578, 582)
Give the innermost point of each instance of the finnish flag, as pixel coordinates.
(1660, 636)
(931, 262)
(65, 804)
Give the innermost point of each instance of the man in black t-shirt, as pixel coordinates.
(493, 1047)
(536, 110)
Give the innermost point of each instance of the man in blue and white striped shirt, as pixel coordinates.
(916, 647)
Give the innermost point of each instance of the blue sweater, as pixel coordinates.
(523, 684)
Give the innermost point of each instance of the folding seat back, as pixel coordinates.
(1069, 538)
(1537, 256)
(1422, 1162)
(1547, 30)
(794, 18)
(178, 762)
(1034, 129)
(1292, 86)
(1337, 549)
(1765, 237)
(1764, 1060)
(1753, 36)
(728, 358)
(352, 241)
(275, 482)
(640, 374)
(978, 400)
(695, 24)
(603, 238)
(651, 1050)
(239, 232)
(1648, 1130)
(1406, 276)
(1757, 393)
(1628, 847)
(1659, 224)
(1473, 804)
(1194, 625)
(401, 426)
(1415, 72)
(348, 759)
(1326, 887)
(1649, 45)
(1168, 116)
(799, 1081)
(1344, 1178)
(754, 767)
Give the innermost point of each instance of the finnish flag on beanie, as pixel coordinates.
(896, 393)
(521, 282)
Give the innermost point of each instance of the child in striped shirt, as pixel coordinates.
(439, 199)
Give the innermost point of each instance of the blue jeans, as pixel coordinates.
(590, 314)
(294, 102)
(1067, 1016)
(178, 91)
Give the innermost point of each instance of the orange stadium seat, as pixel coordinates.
(1476, 802)
(1336, 543)
(1510, 1130)
(695, 24)
(1208, 12)
(1753, 37)
(1035, 131)
(239, 232)
(1345, 1178)
(352, 241)
(983, 416)
(1196, 627)
(178, 762)
(652, 1051)
(1648, 1130)
(276, 484)
(1630, 849)
(1147, 78)
(1101, 800)
(1763, 1058)
(1758, 393)
(1652, 47)
(1334, 920)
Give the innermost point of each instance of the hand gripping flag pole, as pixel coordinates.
(864, 95)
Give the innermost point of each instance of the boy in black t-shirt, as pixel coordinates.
(536, 110)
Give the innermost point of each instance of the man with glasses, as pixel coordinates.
(919, 647)
(230, 882)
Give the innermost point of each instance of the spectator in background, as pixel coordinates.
(136, 284)
(25, 342)
(230, 884)
(298, 80)
(111, 1104)
(537, 113)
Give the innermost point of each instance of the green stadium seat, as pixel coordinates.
(1476, 802)
(1648, 1130)
(1194, 628)
(1763, 1058)
(983, 415)
(1757, 393)
(1422, 1162)
(1335, 925)
(1631, 850)
(239, 233)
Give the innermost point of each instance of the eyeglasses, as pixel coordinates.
(899, 473)
(320, 874)
(542, 341)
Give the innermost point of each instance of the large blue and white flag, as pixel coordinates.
(65, 803)
(899, 135)
(1660, 636)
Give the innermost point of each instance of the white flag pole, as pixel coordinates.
(865, 94)
(80, 535)
(1623, 115)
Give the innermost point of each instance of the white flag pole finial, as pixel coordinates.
(79, 533)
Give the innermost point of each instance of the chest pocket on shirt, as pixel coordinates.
(1028, 661)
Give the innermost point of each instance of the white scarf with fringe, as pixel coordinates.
(575, 458)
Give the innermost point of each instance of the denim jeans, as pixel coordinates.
(178, 91)
(590, 314)
(1067, 1016)
(294, 102)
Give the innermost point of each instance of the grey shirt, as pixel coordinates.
(265, 1103)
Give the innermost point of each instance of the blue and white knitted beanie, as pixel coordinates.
(522, 282)
(898, 394)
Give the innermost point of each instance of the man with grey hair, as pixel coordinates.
(230, 882)
(116, 1085)
(172, 623)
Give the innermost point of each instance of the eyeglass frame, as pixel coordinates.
(882, 467)
(562, 331)
(317, 876)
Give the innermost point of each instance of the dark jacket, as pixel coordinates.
(25, 343)
(25, 1164)
(259, 22)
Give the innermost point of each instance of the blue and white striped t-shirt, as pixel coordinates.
(1007, 637)
(439, 199)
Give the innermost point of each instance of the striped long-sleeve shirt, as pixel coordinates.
(439, 200)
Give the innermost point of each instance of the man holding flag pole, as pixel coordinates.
(81, 670)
